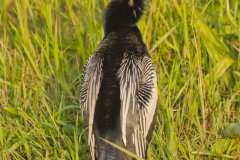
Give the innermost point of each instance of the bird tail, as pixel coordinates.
(122, 13)
(109, 153)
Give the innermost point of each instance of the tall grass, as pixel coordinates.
(195, 45)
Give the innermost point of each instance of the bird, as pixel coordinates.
(119, 94)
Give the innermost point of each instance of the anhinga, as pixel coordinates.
(119, 86)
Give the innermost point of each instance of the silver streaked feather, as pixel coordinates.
(131, 65)
(138, 89)
(91, 82)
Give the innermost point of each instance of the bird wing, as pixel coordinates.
(91, 82)
(138, 94)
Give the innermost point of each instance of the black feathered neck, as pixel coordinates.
(122, 13)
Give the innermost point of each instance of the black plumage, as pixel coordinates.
(119, 86)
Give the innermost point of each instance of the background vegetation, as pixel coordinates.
(195, 45)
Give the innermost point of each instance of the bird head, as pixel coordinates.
(122, 13)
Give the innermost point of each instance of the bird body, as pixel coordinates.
(119, 87)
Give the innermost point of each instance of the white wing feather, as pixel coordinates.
(138, 94)
(91, 82)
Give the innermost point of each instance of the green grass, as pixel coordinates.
(195, 45)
